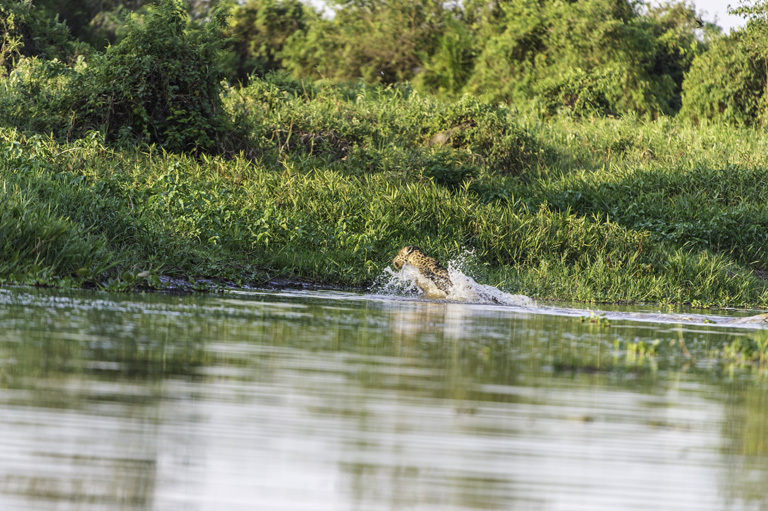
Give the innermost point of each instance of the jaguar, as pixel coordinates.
(432, 273)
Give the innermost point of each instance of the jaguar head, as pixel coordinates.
(402, 257)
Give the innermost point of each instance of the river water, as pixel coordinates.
(340, 401)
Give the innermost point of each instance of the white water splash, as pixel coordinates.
(410, 282)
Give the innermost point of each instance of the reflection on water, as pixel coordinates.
(334, 401)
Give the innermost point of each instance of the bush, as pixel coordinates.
(603, 44)
(363, 129)
(490, 132)
(35, 97)
(726, 84)
(258, 32)
(580, 93)
(446, 170)
(448, 69)
(27, 32)
(376, 40)
(160, 84)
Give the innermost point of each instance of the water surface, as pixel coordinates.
(339, 401)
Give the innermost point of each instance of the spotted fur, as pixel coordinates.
(428, 267)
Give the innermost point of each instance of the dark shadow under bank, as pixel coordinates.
(181, 286)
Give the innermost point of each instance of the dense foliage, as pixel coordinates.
(590, 57)
(259, 31)
(728, 83)
(332, 196)
(160, 84)
(123, 164)
(593, 57)
(27, 32)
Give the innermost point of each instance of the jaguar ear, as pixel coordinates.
(408, 250)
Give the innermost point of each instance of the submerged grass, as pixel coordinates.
(333, 181)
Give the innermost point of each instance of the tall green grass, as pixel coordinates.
(333, 181)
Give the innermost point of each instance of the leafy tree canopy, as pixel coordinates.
(598, 56)
(728, 82)
(258, 31)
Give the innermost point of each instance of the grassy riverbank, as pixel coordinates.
(327, 183)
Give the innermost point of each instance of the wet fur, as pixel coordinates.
(427, 266)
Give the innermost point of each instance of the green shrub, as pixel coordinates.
(726, 84)
(35, 97)
(376, 40)
(29, 32)
(492, 133)
(446, 170)
(446, 71)
(159, 84)
(680, 35)
(604, 45)
(258, 31)
(363, 128)
(93, 22)
(581, 93)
